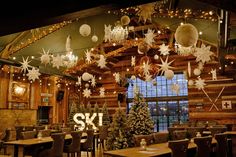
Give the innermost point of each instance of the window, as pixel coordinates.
(166, 106)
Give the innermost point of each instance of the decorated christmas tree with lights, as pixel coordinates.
(139, 119)
(105, 118)
(117, 137)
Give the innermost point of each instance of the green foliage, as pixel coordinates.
(117, 137)
(105, 118)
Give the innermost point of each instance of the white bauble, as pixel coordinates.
(133, 77)
(190, 82)
(186, 35)
(85, 30)
(169, 74)
(94, 38)
(197, 72)
(125, 20)
(86, 85)
(86, 76)
(156, 57)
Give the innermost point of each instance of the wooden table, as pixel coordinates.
(152, 150)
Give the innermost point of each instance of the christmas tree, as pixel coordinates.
(139, 119)
(72, 111)
(105, 118)
(117, 137)
(96, 110)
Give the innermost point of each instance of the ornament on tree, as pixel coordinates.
(164, 49)
(133, 58)
(93, 81)
(25, 64)
(149, 37)
(203, 54)
(57, 61)
(33, 74)
(107, 31)
(200, 83)
(165, 65)
(79, 82)
(197, 72)
(102, 92)
(85, 30)
(213, 74)
(117, 77)
(146, 11)
(45, 57)
(88, 57)
(86, 93)
(102, 62)
(175, 88)
(94, 38)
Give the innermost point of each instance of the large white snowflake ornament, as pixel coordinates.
(164, 66)
(175, 88)
(200, 83)
(102, 92)
(57, 61)
(149, 37)
(102, 62)
(86, 93)
(79, 82)
(164, 49)
(107, 31)
(88, 56)
(45, 57)
(93, 81)
(25, 64)
(133, 58)
(203, 54)
(33, 74)
(117, 77)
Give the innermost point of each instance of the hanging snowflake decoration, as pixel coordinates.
(107, 30)
(25, 64)
(57, 61)
(93, 81)
(149, 37)
(200, 83)
(148, 78)
(213, 74)
(203, 54)
(117, 77)
(133, 58)
(33, 74)
(87, 93)
(164, 49)
(175, 88)
(102, 62)
(79, 82)
(45, 57)
(146, 11)
(88, 56)
(102, 92)
(165, 65)
(146, 68)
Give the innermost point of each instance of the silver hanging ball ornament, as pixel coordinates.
(94, 38)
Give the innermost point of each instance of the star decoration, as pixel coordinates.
(200, 83)
(88, 56)
(25, 64)
(148, 78)
(79, 82)
(117, 77)
(102, 62)
(149, 37)
(213, 73)
(107, 30)
(133, 58)
(45, 57)
(203, 54)
(164, 49)
(93, 81)
(102, 92)
(87, 92)
(165, 65)
(175, 88)
(146, 68)
(57, 61)
(33, 74)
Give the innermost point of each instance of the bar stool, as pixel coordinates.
(203, 146)
(88, 144)
(222, 146)
(74, 147)
(178, 148)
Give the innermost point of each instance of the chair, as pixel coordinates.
(192, 131)
(103, 133)
(28, 134)
(39, 127)
(45, 133)
(160, 137)
(217, 130)
(172, 129)
(179, 134)
(88, 144)
(74, 147)
(178, 148)
(29, 150)
(28, 128)
(138, 138)
(203, 146)
(19, 129)
(57, 147)
(222, 146)
(5, 138)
